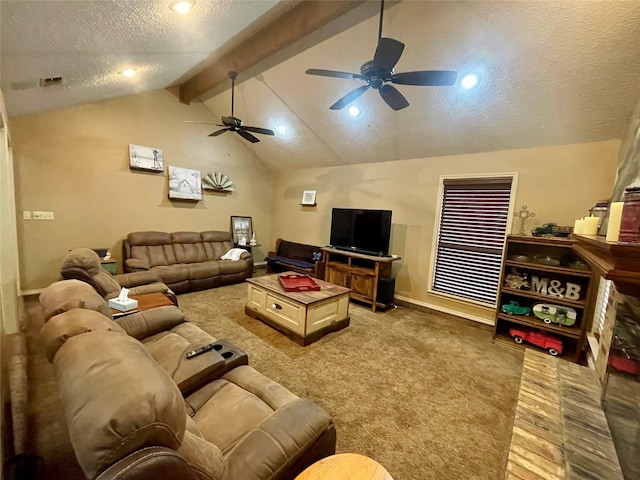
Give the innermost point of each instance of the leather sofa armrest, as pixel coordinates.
(143, 324)
(288, 433)
(135, 279)
(135, 265)
(150, 462)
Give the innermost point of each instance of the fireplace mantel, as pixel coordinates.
(619, 262)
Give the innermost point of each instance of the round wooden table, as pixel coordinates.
(345, 466)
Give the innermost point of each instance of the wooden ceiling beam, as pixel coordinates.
(303, 19)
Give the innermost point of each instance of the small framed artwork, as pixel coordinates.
(185, 184)
(241, 230)
(145, 158)
(308, 197)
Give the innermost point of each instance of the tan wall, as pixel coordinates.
(559, 184)
(75, 162)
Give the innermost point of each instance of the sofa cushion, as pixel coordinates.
(289, 261)
(116, 399)
(83, 258)
(153, 248)
(216, 244)
(188, 247)
(76, 321)
(64, 295)
(205, 269)
(170, 274)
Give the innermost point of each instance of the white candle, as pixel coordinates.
(615, 217)
(578, 226)
(590, 226)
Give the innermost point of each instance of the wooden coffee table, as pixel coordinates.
(345, 466)
(302, 316)
(145, 302)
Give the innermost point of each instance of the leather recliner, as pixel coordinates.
(127, 419)
(84, 264)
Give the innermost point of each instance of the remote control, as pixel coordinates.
(200, 350)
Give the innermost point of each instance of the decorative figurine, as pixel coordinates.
(517, 280)
(550, 343)
(560, 314)
(514, 308)
(523, 214)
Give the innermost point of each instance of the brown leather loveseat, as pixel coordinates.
(186, 261)
(128, 419)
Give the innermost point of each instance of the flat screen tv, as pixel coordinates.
(362, 231)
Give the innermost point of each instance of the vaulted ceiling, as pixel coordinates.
(550, 72)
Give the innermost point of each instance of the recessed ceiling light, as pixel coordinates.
(182, 6)
(354, 111)
(469, 81)
(281, 129)
(129, 72)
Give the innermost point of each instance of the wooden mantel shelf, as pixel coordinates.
(616, 261)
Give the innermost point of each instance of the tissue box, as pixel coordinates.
(123, 305)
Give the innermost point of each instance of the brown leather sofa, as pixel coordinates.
(84, 264)
(297, 257)
(186, 261)
(128, 418)
(164, 331)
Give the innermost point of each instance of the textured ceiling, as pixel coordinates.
(551, 72)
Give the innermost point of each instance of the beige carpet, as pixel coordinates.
(427, 395)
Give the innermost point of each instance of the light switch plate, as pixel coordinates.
(37, 215)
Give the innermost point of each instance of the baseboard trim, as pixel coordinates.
(410, 302)
(26, 293)
(259, 264)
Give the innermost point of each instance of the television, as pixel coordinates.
(361, 231)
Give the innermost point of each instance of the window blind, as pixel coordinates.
(602, 302)
(471, 235)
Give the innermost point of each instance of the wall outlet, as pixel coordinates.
(26, 214)
(42, 215)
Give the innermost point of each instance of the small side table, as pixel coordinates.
(110, 266)
(345, 466)
(248, 247)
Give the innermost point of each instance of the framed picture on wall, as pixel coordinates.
(241, 230)
(145, 158)
(185, 184)
(308, 197)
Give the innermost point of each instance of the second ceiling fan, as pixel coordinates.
(380, 71)
(233, 124)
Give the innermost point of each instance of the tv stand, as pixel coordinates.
(359, 272)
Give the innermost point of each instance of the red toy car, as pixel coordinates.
(551, 344)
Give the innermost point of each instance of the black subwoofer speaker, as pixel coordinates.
(386, 286)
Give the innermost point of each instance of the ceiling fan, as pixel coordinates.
(233, 124)
(380, 71)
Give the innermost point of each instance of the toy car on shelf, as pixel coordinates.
(552, 229)
(551, 344)
(514, 308)
(559, 314)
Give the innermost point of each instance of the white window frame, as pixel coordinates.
(513, 176)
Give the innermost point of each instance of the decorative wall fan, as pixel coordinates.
(217, 181)
(234, 124)
(380, 71)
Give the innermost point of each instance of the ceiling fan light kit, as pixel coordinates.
(380, 72)
(233, 124)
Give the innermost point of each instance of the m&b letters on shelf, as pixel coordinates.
(555, 288)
